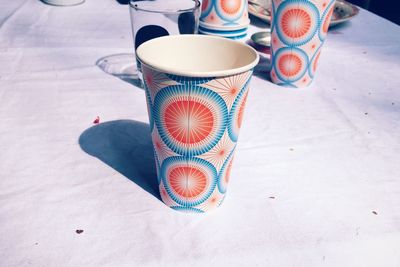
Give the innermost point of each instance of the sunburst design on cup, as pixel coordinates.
(225, 173)
(290, 64)
(315, 63)
(312, 68)
(157, 166)
(154, 81)
(149, 105)
(229, 87)
(296, 21)
(220, 152)
(236, 114)
(187, 209)
(230, 11)
(188, 181)
(206, 7)
(165, 197)
(273, 14)
(190, 120)
(162, 150)
(213, 202)
(231, 6)
(325, 20)
(325, 25)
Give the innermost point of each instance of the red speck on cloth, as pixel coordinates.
(97, 120)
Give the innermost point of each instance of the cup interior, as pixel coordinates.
(197, 55)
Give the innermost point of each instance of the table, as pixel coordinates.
(316, 178)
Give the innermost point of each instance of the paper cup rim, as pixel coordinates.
(163, 67)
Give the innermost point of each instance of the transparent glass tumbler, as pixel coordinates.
(155, 18)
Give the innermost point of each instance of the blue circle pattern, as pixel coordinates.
(321, 22)
(178, 90)
(157, 166)
(291, 50)
(229, 20)
(219, 102)
(149, 106)
(207, 11)
(287, 85)
(311, 63)
(233, 134)
(189, 80)
(297, 3)
(190, 84)
(187, 209)
(188, 160)
(273, 22)
(221, 187)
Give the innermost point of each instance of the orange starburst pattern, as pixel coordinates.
(325, 25)
(187, 181)
(165, 197)
(185, 130)
(296, 23)
(315, 63)
(220, 152)
(290, 65)
(162, 150)
(155, 81)
(229, 87)
(204, 5)
(213, 202)
(241, 112)
(231, 7)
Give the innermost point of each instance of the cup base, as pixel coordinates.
(63, 2)
(225, 33)
(233, 37)
(122, 66)
(231, 27)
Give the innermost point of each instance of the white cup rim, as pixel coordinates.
(192, 56)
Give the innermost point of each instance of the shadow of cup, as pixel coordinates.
(124, 145)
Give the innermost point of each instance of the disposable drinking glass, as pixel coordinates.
(196, 101)
(155, 18)
(299, 30)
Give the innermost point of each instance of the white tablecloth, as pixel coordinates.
(316, 177)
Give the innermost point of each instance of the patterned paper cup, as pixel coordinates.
(224, 14)
(195, 98)
(299, 29)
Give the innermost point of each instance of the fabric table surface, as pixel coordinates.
(316, 176)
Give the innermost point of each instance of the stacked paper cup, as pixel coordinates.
(226, 18)
(299, 29)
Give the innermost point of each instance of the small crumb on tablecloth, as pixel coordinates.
(374, 212)
(97, 120)
(79, 231)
